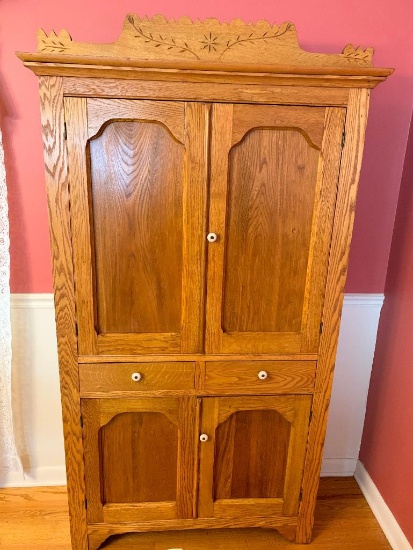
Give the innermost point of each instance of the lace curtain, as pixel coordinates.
(9, 460)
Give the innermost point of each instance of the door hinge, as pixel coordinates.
(81, 421)
(76, 330)
(86, 503)
(343, 139)
(64, 130)
(321, 327)
(301, 495)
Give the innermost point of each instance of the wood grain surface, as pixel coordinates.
(356, 120)
(139, 358)
(131, 263)
(209, 46)
(101, 111)
(143, 448)
(177, 129)
(310, 122)
(137, 201)
(271, 204)
(197, 91)
(109, 377)
(273, 176)
(207, 74)
(242, 376)
(52, 116)
(139, 458)
(251, 455)
(251, 464)
(326, 194)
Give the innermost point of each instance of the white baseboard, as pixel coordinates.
(384, 516)
(36, 394)
(338, 467)
(44, 477)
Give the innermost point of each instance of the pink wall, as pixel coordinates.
(322, 24)
(387, 447)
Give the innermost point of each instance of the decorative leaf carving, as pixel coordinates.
(53, 43)
(358, 54)
(159, 40)
(209, 42)
(253, 37)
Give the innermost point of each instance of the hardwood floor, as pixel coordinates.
(37, 519)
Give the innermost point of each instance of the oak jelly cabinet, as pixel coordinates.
(201, 181)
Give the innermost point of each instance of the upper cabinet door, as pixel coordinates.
(273, 187)
(138, 184)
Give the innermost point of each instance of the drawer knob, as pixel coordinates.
(136, 376)
(203, 438)
(262, 375)
(212, 237)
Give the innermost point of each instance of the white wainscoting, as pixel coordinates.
(356, 344)
(37, 414)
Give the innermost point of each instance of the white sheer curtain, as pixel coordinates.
(9, 460)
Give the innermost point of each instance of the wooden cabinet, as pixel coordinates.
(201, 185)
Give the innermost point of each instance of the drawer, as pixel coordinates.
(110, 377)
(260, 376)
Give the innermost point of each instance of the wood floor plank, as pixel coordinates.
(37, 519)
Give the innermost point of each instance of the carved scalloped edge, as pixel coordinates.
(184, 19)
(159, 38)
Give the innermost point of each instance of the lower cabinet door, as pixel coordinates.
(252, 453)
(139, 458)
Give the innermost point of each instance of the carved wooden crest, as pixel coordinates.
(207, 41)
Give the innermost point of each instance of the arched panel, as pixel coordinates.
(136, 180)
(251, 449)
(138, 458)
(269, 221)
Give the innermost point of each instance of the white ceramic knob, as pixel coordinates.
(262, 375)
(203, 438)
(136, 376)
(212, 237)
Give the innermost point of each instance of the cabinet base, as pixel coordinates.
(99, 533)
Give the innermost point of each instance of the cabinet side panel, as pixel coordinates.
(52, 115)
(342, 231)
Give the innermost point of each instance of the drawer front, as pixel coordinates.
(110, 377)
(260, 376)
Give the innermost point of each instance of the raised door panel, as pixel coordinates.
(274, 173)
(139, 458)
(138, 191)
(252, 461)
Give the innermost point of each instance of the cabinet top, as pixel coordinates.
(200, 46)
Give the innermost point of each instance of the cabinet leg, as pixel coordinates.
(288, 532)
(96, 540)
